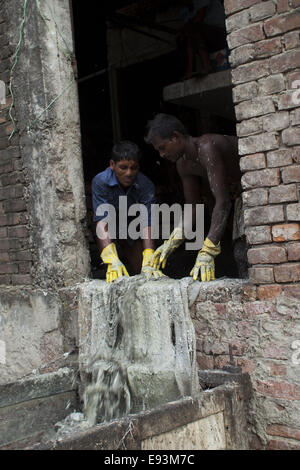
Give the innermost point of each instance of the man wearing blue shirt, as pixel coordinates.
(123, 179)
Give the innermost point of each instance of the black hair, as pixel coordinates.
(125, 150)
(164, 126)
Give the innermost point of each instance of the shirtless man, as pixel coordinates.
(210, 158)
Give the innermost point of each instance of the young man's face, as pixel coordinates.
(126, 171)
(171, 149)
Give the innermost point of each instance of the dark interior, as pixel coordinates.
(139, 88)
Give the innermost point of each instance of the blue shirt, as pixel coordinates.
(107, 189)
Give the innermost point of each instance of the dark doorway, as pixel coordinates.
(120, 108)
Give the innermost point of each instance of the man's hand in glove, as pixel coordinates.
(160, 256)
(115, 267)
(205, 261)
(148, 270)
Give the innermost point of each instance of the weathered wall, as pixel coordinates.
(42, 203)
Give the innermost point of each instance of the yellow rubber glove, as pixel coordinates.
(115, 267)
(205, 261)
(146, 268)
(160, 256)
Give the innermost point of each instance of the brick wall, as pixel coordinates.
(265, 57)
(15, 253)
(256, 328)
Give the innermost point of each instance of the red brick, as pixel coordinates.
(261, 275)
(247, 365)
(292, 78)
(21, 256)
(283, 193)
(275, 351)
(282, 24)
(271, 84)
(292, 291)
(232, 6)
(291, 136)
(249, 127)
(4, 257)
(277, 369)
(275, 444)
(262, 10)
(21, 279)
(25, 267)
(255, 197)
(282, 6)
(7, 168)
(205, 362)
(253, 108)
(283, 431)
(295, 3)
(294, 252)
(3, 232)
(292, 40)
(258, 235)
(249, 72)
(296, 154)
(280, 158)
(269, 292)
(245, 91)
(287, 61)
(5, 279)
(275, 389)
(253, 309)
(237, 21)
(261, 178)
(264, 215)
(14, 205)
(286, 232)
(258, 143)
(267, 255)
(245, 35)
(17, 232)
(293, 212)
(249, 293)
(289, 272)
(267, 48)
(289, 99)
(8, 268)
(253, 162)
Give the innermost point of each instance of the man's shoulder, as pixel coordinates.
(102, 177)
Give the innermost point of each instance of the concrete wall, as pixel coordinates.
(47, 218)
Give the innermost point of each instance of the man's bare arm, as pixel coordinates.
(216, 174)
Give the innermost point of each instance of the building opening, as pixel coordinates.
(132, 65)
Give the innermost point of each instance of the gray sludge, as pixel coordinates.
(142, 347)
